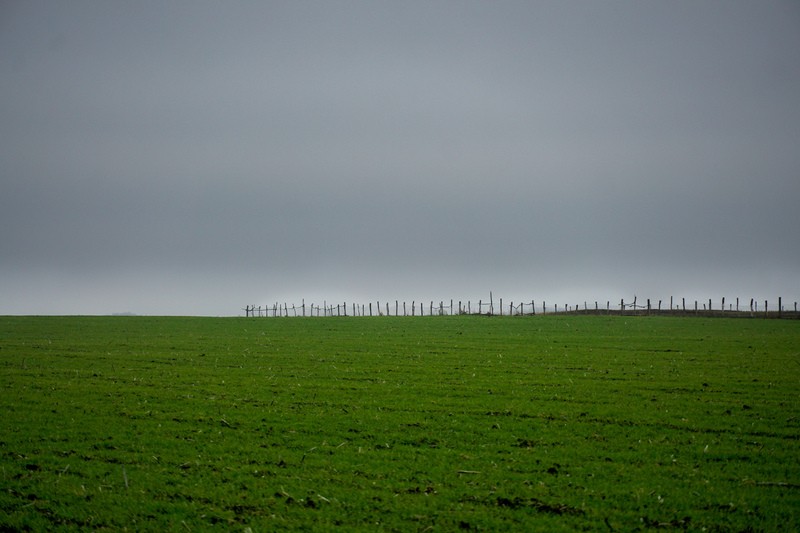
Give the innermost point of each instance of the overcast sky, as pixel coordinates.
(189, 157)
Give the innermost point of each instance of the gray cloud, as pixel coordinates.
(156, 153)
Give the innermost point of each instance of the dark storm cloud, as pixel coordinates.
(396, 150)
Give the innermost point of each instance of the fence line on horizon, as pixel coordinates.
(520, 308)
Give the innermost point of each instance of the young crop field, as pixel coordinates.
(545, 423)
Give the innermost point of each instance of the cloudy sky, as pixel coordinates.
(190, 157)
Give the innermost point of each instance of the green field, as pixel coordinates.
(400, 424)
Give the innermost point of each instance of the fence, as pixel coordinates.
(521, 308)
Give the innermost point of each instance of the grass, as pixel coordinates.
(399, 424)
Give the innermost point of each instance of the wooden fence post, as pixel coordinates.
(780, 306)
